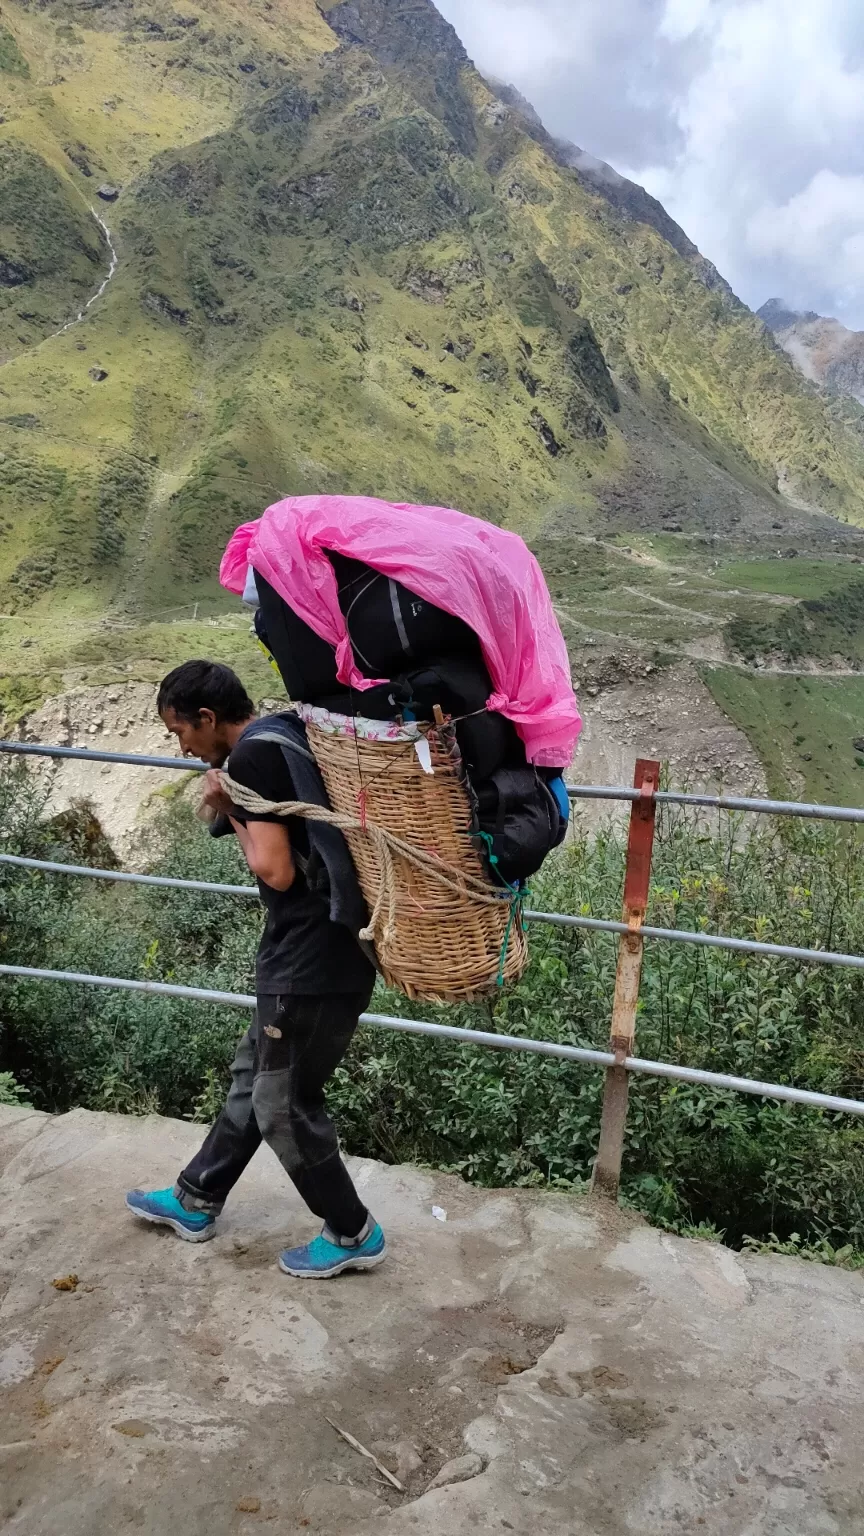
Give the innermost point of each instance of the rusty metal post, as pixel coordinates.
(637, 879)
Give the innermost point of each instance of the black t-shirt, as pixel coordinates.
(301, 950)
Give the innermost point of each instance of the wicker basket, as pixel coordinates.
(445, 945)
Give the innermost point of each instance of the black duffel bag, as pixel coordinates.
(392, 631)
(460, 686)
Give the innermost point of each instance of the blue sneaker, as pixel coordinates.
(163, 1207)
(326, 1256)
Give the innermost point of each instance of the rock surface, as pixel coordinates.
(824, 349)
(121, 718)
(459, 1470)
(609, 1379)
(669, 715)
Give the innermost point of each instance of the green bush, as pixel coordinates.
(734, 1164)
(10, 1091)
(817, 626)
(115, 1050)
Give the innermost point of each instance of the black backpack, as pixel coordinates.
(390, 626)
(518, 822)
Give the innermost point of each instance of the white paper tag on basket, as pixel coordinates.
(424, 755)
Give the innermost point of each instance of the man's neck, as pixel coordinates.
(234, 732)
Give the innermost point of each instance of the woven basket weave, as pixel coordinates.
(445, 946)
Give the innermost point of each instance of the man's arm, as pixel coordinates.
(266, 844)
(267, 848)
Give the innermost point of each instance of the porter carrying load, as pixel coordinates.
(442, 625)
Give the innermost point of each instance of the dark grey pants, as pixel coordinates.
(277, 1095)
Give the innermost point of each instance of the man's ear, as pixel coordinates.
(207, 717)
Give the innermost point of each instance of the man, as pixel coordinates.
(312, 981)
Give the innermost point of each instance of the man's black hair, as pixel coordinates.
(201, 685)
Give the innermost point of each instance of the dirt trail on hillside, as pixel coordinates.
(112, 268)
(667, 714)
(677, 608)
(68, 325)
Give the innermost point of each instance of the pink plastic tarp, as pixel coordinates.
(470, 568)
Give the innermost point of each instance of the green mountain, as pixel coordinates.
(344, 261)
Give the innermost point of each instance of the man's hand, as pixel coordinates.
(214, 796)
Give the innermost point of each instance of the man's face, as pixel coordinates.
(203, 737)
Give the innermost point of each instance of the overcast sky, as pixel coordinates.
(745, 117)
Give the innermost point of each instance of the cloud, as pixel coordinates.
(682, 18)
(599, 73)
(745, 117)
(818, 230)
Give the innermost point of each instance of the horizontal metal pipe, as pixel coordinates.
(557, 919)
(124, 984)
(575, 791)
(485, 1037)
(474, 1037)
(765, 807)
(721, 802)
(748, 1085)
(124, 875)
(137, 759)
(594, 791)
(634, 1064)
(705, 940)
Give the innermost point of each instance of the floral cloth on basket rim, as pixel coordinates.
(333, 724)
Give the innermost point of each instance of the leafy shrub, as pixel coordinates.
(12, 59)
(10, 1091)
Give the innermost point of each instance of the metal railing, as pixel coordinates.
(619, 1061)
(575, 791)
(575, 1053)
(557, 919)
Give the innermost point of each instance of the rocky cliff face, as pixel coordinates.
(824, 350)
(625, 196)
(345, 261)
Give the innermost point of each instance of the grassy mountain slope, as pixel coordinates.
(48, 263)
(343, 263)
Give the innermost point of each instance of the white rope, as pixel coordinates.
(388, 849)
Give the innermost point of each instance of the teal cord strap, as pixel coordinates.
(519, 894)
